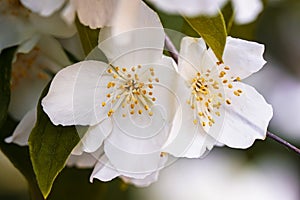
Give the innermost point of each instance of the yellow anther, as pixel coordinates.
(236, 93)
(206, 104)
(152, 74)
(195, 121)
(129, 75)
(225, 81)
(132, 106)
(228, 101)
(140, 112)
(132, 112)
(156, 79)
(201, 114)
(103, 104)
(136, 101)
(109, 71)
(203, 124)
(218, 113)
(150, 113)
(238, 79)
(118, 96)
(210, 123)
(150, 86)
(239, 91)
(123, 115)
(222, 74)
(110, 112)
(124, 69)
(144, 92)
(146, 107)
(115, 76)
(198, 74)
(230, 86)
(220, 95)
(133, 69)
(151, 69)
(108, 95)
(227, 68)
(117, 68)
(139, 66)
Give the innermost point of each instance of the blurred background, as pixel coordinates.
(267, 170)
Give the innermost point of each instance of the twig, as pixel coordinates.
(171, 48)
(283, 142)
(174, 54)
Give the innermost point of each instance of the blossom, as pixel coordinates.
(218, 108)
(128, 103)
(92, 13)
(245, 11)
(24, 28)
(30, 74)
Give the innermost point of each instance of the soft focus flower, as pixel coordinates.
(21, 27)
(218, 108)
(92, 13)
(128, 103)
(225, 176)
(30, 74)
(245, 11)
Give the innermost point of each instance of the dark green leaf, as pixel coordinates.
(74, 184)
(88, 37)
(50, 147)
(212, 30)
(6, 58)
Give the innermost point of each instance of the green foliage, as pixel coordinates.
(50, 147)
(6, 58)
(212, 30)
(88, 37)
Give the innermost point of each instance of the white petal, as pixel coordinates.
(95, 13)
(243, 57)
(53, 25)
(133, 155)
(247, 11)
(104, 170)
(187, 139)
(145, 41)
(194, 57)
(190, 8)
(85, 160)
(21, 134)
(95, 135)
(29, 44)
(45, 7)
(16, 31)
(246, 119)
(75, 95)
(25, 94)
(126, 16)
(68, 13)
(145, 181)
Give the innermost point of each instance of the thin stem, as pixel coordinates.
(171, 48)
(174, 54)
(283, 142)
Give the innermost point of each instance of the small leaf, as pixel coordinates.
(212, 30)
(6, 58)
(88, 37)
(50, 147)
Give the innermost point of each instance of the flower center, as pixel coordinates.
(207, 94)
(130, 91)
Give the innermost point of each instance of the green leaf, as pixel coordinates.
(212, 30)
(88, 37)
(6, 58)
(50, 147)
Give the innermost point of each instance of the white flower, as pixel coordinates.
(245, 10)
(21, 27)
(92, 13)
(128, 104)
(218, 108)
(30, 74)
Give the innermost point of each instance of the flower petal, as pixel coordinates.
(95, 135)
(95, 13)
(85, 160)
(246, 119)
(75, 95)
(243, 57)
(16, 31)
(247, 11)
(144, 42)
(191, 8)
(194, 57)
(125, 150)
(104, 170)
(21, 134)
(45, 7)
(53, 25)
